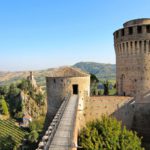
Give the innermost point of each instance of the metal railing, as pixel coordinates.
(49, 134)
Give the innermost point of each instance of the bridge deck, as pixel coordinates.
(63, 136)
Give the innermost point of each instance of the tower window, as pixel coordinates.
(122, 32)
(135, 44)
(139, 29)
(149, 46)
(140, 45)
(127, 45)
(123, 47)
(148, 28)
(131, 45)
(117, 35)
(54, 81)
(130, 30)
(144, 46)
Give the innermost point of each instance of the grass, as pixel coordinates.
(8, 128)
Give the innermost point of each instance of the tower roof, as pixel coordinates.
(67, 72)
(140, 21)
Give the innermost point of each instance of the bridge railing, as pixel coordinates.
(49, 134)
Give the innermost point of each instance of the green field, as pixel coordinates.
(8, 128)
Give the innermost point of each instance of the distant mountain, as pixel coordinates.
(101, 70)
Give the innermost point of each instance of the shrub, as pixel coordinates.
(3, 106)
(108, 134)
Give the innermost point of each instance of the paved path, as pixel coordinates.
(63, 136)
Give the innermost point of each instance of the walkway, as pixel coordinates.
(63, 137)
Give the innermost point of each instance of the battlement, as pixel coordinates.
(141, 21)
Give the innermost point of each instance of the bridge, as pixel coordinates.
(59, 135)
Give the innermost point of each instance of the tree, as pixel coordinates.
(7, 143)
(36, 125)
(4, 90)
(33, 136)
(108, 134)
(94, 78)
(40, 98)
(13, 90)
(24, 85)
(3, 106)
(106, 88)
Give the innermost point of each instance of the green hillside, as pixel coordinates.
(101, 70)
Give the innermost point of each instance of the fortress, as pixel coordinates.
(132, 47)
(131, 105)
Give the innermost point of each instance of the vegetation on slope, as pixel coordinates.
(17, 100)
(102, 71)
(108, 134)
(11, 136)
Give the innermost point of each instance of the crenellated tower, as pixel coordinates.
(132, 47)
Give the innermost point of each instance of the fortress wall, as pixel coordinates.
(141, 121)
(118, 106)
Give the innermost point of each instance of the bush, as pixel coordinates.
(36, 125)
(108, 134)
(7, 143)
(3, 106)
(33, 136)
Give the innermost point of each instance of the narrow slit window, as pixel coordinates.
(149, 46)
(135, 46)
(127, 45)
(144, 46)
(131, 45)
(140, 46)
(123, 47)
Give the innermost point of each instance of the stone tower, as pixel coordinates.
(63, 81)
(132, 47)
(32, 79)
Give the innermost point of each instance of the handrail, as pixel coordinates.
(49, 134)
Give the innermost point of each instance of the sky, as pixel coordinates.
(41, 34)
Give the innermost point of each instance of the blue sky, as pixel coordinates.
(40, 34)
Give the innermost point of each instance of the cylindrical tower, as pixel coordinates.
(132, 47)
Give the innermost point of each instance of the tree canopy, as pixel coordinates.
(108, 134)
(7, 143)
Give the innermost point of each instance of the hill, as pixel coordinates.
(7, 78)
(101, 70)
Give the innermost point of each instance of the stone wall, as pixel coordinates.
(141, 120)
(120, 107)
(59, 87)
